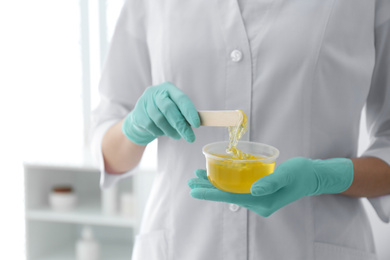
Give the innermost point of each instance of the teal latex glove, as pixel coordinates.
(161, 110)
(291, 180)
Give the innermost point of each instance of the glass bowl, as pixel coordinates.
(238, 175)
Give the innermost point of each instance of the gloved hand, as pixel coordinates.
(291, 180)
(161, 110)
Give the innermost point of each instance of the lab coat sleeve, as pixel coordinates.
(378, 102)
(125, 76)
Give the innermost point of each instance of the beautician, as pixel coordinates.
(302, 71)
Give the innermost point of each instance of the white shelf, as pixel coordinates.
(51, 235)
(84, 214)
(108, 252)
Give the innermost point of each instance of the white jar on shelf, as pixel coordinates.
(62, 198)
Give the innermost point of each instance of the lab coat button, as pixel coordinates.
(236, 55)
(234, 207)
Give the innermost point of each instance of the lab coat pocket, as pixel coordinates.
(150, 246)
(323, 251)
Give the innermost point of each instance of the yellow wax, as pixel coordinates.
(236, 176)
(236, 171)
(235, 133)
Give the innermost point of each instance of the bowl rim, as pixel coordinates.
(267, 160)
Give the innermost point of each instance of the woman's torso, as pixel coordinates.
(302, 79)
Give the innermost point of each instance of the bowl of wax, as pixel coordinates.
(235, 169)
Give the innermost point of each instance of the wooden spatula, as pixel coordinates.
(220, 118)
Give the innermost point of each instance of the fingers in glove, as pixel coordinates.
(160, 121)
(218, 195)
(271, 183)
(184, 104)
(173, 115)
(199, 183)
(201, 174)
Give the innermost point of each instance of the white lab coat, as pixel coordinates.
(301, 70)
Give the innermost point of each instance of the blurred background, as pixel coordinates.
(51, 55)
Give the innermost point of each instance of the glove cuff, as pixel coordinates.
(334, 175)
(134, 133)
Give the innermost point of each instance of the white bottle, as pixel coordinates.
(110, 200)
(87, 248)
